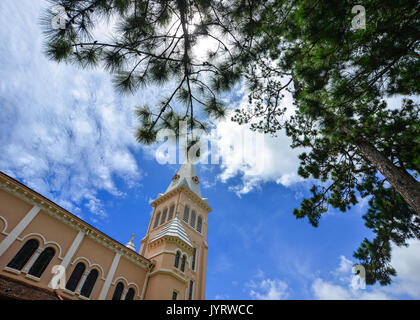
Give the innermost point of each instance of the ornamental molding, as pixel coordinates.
(172, 239)
(90, 266)
(128, 284)
(171, 273)
(5, 225)
(182, 188)
(45, 243)
(172, 252)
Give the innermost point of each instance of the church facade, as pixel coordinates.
(47, 252)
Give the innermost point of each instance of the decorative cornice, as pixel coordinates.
(30, 196)
(182, 188)
(172, 239)
(171, 273)
(172, 252)
(176, 229)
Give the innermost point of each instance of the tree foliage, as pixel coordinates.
(340, 77)
(151, 42)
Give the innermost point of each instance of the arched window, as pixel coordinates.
(156, 220)
(89, 283)
(178, 254)
(186, 214)
(199, 223)
(42, 262)
(130, 294)
(171, 212)
(118, 291)
(193, 215)
(24, 254)
(165, 212)
(184, 259)
(75, 276)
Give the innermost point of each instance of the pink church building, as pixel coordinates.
(47, 252)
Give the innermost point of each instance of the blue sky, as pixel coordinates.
(65, 133)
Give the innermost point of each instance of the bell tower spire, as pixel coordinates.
(186, 175)
(176, 239)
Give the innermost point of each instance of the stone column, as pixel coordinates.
(82, 281)
(109, 276)
(74, 246)
(6, 243)
(32, 260)
(124, 294)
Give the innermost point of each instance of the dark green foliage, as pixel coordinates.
(59, 50)
(393, 222)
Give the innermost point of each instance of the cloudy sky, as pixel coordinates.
(65, 133)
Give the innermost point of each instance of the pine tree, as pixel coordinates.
(339, 77)
(153, 44)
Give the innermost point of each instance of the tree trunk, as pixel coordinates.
(400, 180)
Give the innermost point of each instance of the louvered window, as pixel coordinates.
(186, 214)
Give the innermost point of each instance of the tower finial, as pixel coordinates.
(130, 244)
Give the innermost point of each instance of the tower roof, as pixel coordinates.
(186, 175)
(174, 228)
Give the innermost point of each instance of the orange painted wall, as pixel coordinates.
(161, 286)
(13, 209)
(132, 273)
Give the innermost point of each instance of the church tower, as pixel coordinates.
(176, 240)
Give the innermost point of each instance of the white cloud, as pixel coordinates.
(268, 289)
(258, 157)
(264, 288)
(407, 263)
(345, 265)
(263, 157)
(63, 130)
(405, 260)
(327, 291)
